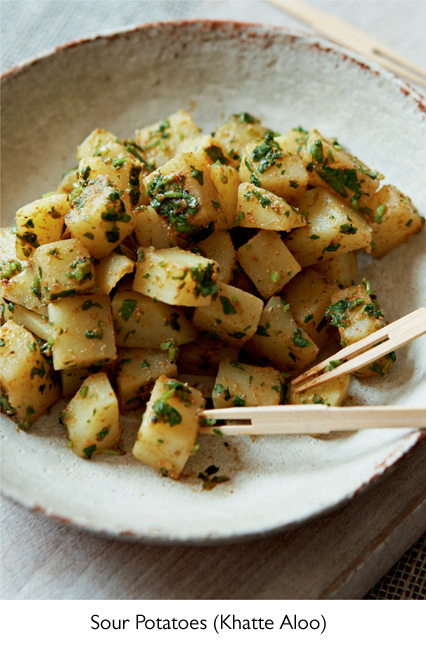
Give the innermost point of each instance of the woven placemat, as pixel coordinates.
(31, 28)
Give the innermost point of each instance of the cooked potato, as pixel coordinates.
(91, 419)
(135, 372)
(35, 323)
(266, 165)
(169, 427)
(218, 247)
(258, 208)
(81, 331)
(280, 341)
(62, 269)
(309, 297)
(140, 322)
(232, 316)
(236, 133)
(40, 222)
(24, 289)
(124, 173)
(153, 230)
(393, 219)
(111, 269)
(341, 270)
(330, 166)
(100, 143)
(29, 387)
(333, 228)
(268, 262)
(333, 393)
(226, 181)
(68, 182)
(175, 277)
(161, 141)
(239, 384)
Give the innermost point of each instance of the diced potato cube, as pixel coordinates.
(8, 247)
(238, 384)
(333, 393)
(35, 323)
(332, 167)
(91, 419)
(232, 316)
(62, 268)
(162, 141)
(357, 315)
(124, 173)
(29, 387)
(206, 145)
(135, 372)
(219, 247)
(258, 208)
(82, 332)
(111, 269)
(72, 379)
(226, 181)
(268, 262)
(100, 143)
(40, 222)
(309, 297)
(202, 356)
(236, 133)
(183, 193)
(393, 219)
(333, 228)
(99, 217)
(24, 289)
(142, 323)
(292, 140)
(341, 270)
(280, 341)
(153, 230)
(266, 165)
(69, 182)
(175, 277)
(169, 427)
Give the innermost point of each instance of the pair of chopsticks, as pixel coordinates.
(318, 418)
(344, 34)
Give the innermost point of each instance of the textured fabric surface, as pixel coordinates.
(32, 27)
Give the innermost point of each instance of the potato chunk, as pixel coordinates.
(219, 247)
(232, 316)
(91, 419)
(62, 269)
(161, 141)
(111, 269)
(330, 166)
(35, 323)
(393, 219)
(333, 393)
(236, 133)
(226, 181)
(333, 229)
(153, 230)
(268, 262)
(175, 277)
(342, 270)
(357, 315)
(258, 208)
(169, 427)
(280, 341)
(99, 217)
(266, 165)
(309, 297)
(239, 384)
(135, 372)
(82, 331)
(40, 222)
(183, 193)
(140, 322)
(24, 289)
(29, 387)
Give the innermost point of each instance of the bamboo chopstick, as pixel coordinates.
(366, 351)
(310, 419)
(344, 34)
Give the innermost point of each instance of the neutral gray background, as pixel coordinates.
(40, 558)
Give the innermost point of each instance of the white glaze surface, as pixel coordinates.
(52, 105)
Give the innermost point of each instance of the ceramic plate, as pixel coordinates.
(132, 79)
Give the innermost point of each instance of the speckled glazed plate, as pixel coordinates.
(134, 78)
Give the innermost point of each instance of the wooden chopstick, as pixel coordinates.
(310, 419)
(366, 351)
(344, 34)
